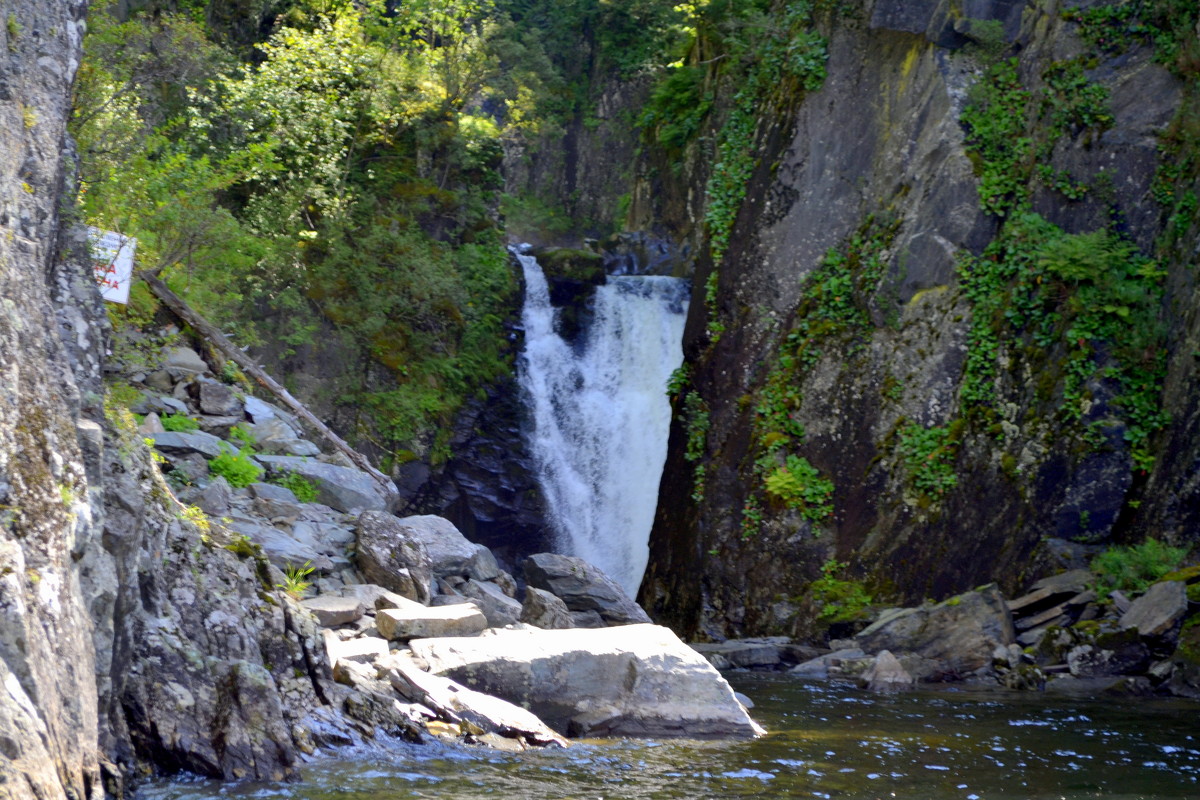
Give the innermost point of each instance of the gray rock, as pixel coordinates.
(337, 487)
(205, 444)
(390, 554)
(451, 553)
(375, 597)
(160, 380)
(218, 399)
(414, 621)
(1092, 661)
(833, 664)
(215, 498)
(886, 674)
(158, 404)
(269, 491)
(638, 680)
(278, 437)
(499, 608)
(334, 611)
(281, 549)
(583, 587)
(218, 426)
(587, 619)
(1070, 582)
(744, 653)
(544, 610)
(457, 702)
(962, 632)
(151, 424)
(1159, 610)
(184, 361)
(361, 649)
(258, 410)
(277, 510)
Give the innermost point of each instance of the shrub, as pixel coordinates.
(839, 600)
(799, 485)
(237, 468)
(1133, 569)
(296, 581)
(298, 485)
(178, 423)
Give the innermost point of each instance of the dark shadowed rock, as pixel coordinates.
(542, 609)
(218, 399)
(962, 632)
(583, 587)
(499, 608)
(390, 555)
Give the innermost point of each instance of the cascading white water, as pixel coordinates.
(601, 414)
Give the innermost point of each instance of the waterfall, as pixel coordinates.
(601, 414)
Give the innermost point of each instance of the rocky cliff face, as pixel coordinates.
(866, 333)
(126, 638)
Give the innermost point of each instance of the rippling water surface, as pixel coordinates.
(826, 741)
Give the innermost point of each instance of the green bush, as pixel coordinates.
(839, 600)
(1133, 569)
(799, 485)
(178, 423)
(237, 468)
(928, 455)
(298, 485)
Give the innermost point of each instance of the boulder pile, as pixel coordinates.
(424, 632)
(1058, 636)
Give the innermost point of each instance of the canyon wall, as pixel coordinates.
(857, 328)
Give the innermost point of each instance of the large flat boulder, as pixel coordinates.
(459, 703)
(637, 680)
(583, 587)
(961, 633)
(332, 611)
(415, 621)
(341, 488)
(391, 555)
(450, 552)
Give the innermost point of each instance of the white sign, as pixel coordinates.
(112, 262)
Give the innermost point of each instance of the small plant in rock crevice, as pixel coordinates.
(179, 423)
(697, 422)
(838, 599)
(1134, 569)
(928, 456)
(799, 485)
(296, 581)
(237, 468)
(297, 484)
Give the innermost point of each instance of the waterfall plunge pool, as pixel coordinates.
(826, 740)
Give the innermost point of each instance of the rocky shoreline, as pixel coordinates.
(1056, 637)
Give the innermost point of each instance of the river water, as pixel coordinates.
(825, 741)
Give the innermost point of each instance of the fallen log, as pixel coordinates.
(227, 348)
